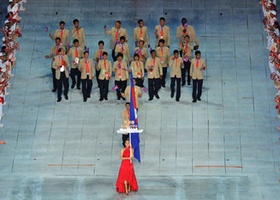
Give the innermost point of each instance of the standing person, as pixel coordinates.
(104, 69)
(163, 53)
(176, 64)
(140, 33)
(121, 75)
(53, 53)
(138, 70)
(184, 30)
(162, 32)
(79, 33)
(63, 34)
(126, 181)
(197, 65)
(61, 64)
(98, 56)
(116, 32)
(123, 48)
(142, 51)
(138, 93)
(187, 54)
(126, 122)
(76, 53)
(154, 69)
(86, 68)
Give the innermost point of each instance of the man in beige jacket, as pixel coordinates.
(61, 64)
(79, 34)
(154, 68)
(98, 56)
(163, 53)
(123, 48)
(162, 32)
(197, 65)
(86, 68)
(141, 33)
(176, 64)
(116, 33)
(63, 34)
(187, 55)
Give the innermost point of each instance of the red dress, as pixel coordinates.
(126, 173)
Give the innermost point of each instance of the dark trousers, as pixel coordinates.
(178, 87)
(197, 88)
(164, 72)
(62, 81)
(139, 82)
(54, 79)
(121, 85)
(86, 87)
(97, 72)
(113, 54)
(187, 66)
(75, 72)
(103, 88)
(154, 86)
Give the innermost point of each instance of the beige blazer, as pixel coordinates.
(72, 55)
(105, 71)
(154, 71)
(145, 35)
(166, 35)
(57, 65)
(190, 31)
(138, 69)
(54, 51)
(196, 72)
(163, 55)
(66, 36)
(82, 68)
(121, 74)
(143, 53)
(112, 32)
(125, 51)
(138, 93)
(176, 66)
(80, 35)
(187, 52)
(97, 54)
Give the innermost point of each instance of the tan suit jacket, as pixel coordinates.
(82, 68)
(143, 54)
(105, 71)
(196, 72)
(138, 70)
(145, 35)
(81, 36)
(72, 55)
(138, 93)
(166, 35)
(176, 66)
(112, 32)
(54, 51)
(65, 39)
(57, 65)
(96, 56)
(190, 31)
(121, 74)
(153, 71)
(187, 52)
(163, 55)
(125, 51)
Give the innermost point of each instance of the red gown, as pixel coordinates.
(126, 172)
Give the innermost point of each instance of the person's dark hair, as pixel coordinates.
(152, 51)
(140, 20)
(197, 52)
(127, 103)
(187, 36)
(62, 22)
(162, 18)
(175, 51)
(57, 38)
(184, 19)
(122, 38)
(119, 22)
(135, 55)
(161, 40)
(76, 40)
(142, 41)
(100, 42)
(86, 52)
(119, 55)
(60, 49)
(105, 53)
(75, 20)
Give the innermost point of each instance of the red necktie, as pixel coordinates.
(186, 49)
(197, 63)
(141, 34)
(87, 66)
(105, 65)
(77, 53)
(61, 34)
(161, 32)
(78, 33)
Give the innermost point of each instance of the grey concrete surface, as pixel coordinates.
(225, 147)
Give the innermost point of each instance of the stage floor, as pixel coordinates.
(224, 147)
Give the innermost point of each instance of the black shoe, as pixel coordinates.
(88, 96)
(66, 97)
(72, 86)
(177, 99)
(198, 99)
(194, 101)
(150, 99)
(59, 100)
(157, 96)
(101, 99)
(53, 90)
(172, 95)
(85, 100)
(163, 86)
(78, 88)
(189, 83)
(183, 84)
(119, 98)
(123, 98)
(106, 98)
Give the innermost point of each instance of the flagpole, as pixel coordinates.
(130, 151)
(130, 133)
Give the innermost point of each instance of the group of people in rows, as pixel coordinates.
(10, 32)
(145, 60)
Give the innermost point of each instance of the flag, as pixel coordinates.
(115, 87)
(134, 137)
